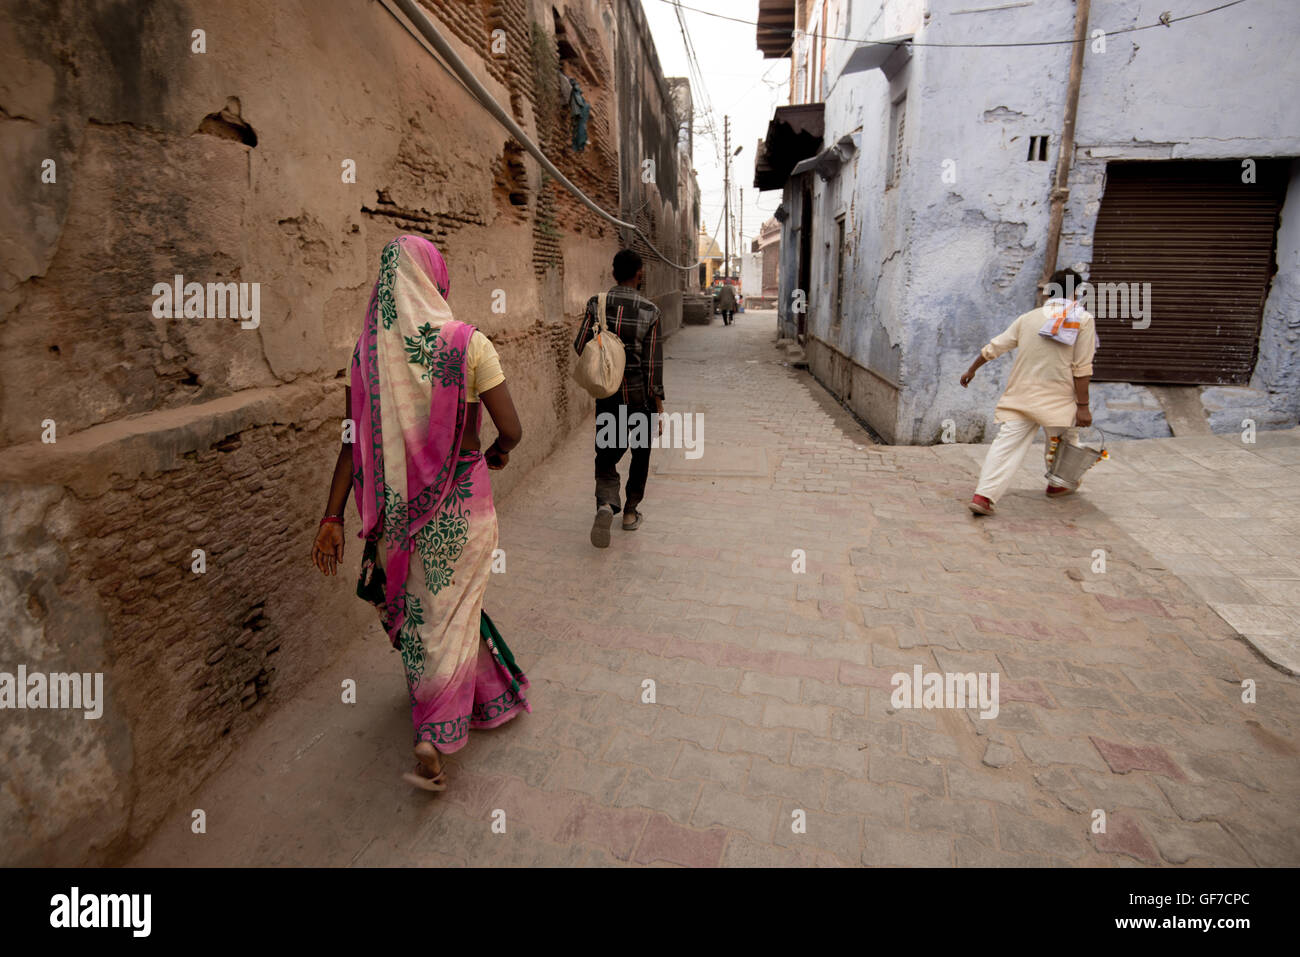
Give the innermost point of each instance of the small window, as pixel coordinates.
(839, 271)
(897, 122)
(1038, 149)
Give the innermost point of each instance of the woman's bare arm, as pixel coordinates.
(341, 483)
(327, 550)
(501, 407)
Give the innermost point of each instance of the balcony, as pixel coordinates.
(794, 134)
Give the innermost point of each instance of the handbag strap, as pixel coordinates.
(600, 312)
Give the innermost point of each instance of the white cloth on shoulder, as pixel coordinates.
(1062, 320)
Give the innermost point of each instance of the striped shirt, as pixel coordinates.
(635, 320)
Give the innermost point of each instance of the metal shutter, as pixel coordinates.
(1204, 240)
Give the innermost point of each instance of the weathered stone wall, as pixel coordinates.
(945, 258)
(183, 434)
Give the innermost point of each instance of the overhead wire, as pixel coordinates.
(697, 80)
(1165, 21)
(435, 38)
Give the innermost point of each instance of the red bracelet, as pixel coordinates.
(332, 520)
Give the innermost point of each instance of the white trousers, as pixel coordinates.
(1007, 453)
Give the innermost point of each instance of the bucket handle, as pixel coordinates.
(1103, 434)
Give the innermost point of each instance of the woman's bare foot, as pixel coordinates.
(430, 774)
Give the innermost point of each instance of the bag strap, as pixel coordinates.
(600, 312)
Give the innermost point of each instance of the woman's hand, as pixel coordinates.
(496, 459)
(327, 550)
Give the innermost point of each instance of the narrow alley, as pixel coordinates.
(777, 585)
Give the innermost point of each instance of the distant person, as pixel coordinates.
(1047, 388)
(727, 303)
(635, 320)
(419, 379)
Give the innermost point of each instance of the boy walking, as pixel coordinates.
(635, 320)
(1047, 388)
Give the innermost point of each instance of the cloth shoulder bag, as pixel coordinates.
(599, 368)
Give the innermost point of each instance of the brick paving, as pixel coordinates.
(1120, 691)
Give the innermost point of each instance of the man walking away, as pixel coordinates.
(624, 419)
(1048, 386)
(727, 303)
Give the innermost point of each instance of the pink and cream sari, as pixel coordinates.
(426, 507)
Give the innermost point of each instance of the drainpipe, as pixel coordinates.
(1061, 191)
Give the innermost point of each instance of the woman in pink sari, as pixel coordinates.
(419, 379)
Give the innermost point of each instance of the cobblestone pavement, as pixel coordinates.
(1120, 691)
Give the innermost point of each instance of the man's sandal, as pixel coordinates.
(634, 524)
(600, 527)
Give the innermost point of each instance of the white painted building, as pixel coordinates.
(917, 178)
(751, 274)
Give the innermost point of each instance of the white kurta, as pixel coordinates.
(1041, 385)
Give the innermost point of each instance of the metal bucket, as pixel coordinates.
(1067, 462)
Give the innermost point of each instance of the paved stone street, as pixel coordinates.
(1120, 690)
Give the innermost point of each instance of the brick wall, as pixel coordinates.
(184, 434)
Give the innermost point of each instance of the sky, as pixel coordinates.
(738, 83)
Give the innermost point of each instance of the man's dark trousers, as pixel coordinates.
(607, 459)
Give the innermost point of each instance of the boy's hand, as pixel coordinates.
(1082, 415)
(966, 377)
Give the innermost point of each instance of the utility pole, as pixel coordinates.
(726, 197)
(740, 231)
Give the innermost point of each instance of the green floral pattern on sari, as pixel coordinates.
(395, 513)
(442, 539)
(440, 544)
(387, 269)
(410, 645)
(442, 363)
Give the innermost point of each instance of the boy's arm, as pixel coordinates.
(1002, 343)
(584, 331)
(1081, 366)
(974, 367)
(652, 348)
(1082, 412)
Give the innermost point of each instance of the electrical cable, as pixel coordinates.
(1027, 43)
(697, 78)
(430, 32)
